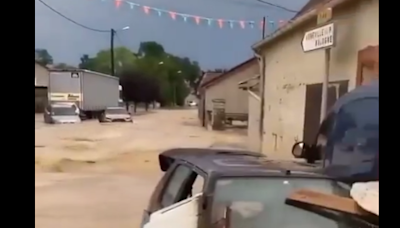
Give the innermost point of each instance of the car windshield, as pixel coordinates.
(63, 111)
(116, 111)
(260, 203)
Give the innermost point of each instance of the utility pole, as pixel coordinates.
(325, 15)
(263, 28)
(112, 52)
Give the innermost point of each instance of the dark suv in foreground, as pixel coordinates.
(348, 139)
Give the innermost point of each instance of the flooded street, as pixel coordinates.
(101, 175)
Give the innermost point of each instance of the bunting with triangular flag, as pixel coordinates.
(198, 20)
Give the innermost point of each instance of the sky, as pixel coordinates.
(211, 46)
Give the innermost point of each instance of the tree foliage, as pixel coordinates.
(63, 66)
(148, 75)
(43, 56)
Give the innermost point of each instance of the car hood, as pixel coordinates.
(118, 116)
(72, 118)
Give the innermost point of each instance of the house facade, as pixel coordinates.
(208, 76)
(41, 75)
(292, 79)
(41, 83)
(252, 86)
(225, 87)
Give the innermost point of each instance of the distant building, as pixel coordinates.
(41, 75)
(224, 86)
(41, 83)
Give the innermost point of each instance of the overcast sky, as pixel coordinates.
(210, 46)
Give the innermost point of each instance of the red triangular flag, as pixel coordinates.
(221, 23)
(242, 24)
(173, 15)
(197, 19)
(146, 9)
(118, 3)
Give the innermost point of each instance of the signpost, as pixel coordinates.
(322, 37)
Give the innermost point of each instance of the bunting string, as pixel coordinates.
(270, 25)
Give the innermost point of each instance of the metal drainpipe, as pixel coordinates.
(261, 60)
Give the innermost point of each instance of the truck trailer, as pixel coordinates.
(92, 92)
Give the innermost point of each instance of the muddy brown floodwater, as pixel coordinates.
(93, 175)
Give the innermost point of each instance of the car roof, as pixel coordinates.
(366, 91)
(225, 162)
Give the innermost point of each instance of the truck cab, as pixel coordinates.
(347, 143)
(61, 112)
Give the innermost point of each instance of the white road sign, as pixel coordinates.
(322, 37)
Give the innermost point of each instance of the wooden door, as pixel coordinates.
(367, 65)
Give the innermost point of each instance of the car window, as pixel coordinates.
(198, 185)
(355, 138)
(175, 185)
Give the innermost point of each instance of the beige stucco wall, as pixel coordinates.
(235, 98)
(253, 129)
(288, 70)
(41, 75)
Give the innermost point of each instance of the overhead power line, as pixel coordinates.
(119, 40)
(278, 6)
(71, 20)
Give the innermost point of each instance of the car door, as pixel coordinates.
(183, 214)
(354, 141)
(176, 185)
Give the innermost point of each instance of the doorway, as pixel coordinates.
(312, 110)
(367, 65)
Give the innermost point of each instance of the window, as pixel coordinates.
(355, 138)
(176, 185)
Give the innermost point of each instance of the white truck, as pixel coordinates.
(92, 92)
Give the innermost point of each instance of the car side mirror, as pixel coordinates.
(303, 150)
(298, 150)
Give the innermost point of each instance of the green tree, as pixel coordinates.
(63, 66)
(151, 48)
(173, 74)
(43, 56)
(123, 59)
(86, 62)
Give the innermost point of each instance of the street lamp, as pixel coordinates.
(113, 32)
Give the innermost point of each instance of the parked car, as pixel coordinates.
(347, 142)
(115, 114)
(60, 113)
(212, 188)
